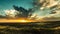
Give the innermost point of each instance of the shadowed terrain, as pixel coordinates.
(30, 28)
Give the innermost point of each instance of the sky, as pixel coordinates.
(48, 7)
(8, 4)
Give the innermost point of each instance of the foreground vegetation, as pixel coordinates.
(30, 28)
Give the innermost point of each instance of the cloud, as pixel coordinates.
(42, 4)
(53, 17)
(49, 17)
(11, 13)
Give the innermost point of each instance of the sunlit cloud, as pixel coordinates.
(11, 13)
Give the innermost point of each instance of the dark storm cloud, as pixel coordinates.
(25, 12)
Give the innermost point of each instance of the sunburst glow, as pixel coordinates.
(24, 21)
(17, 20)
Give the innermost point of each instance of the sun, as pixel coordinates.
(23, 21)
